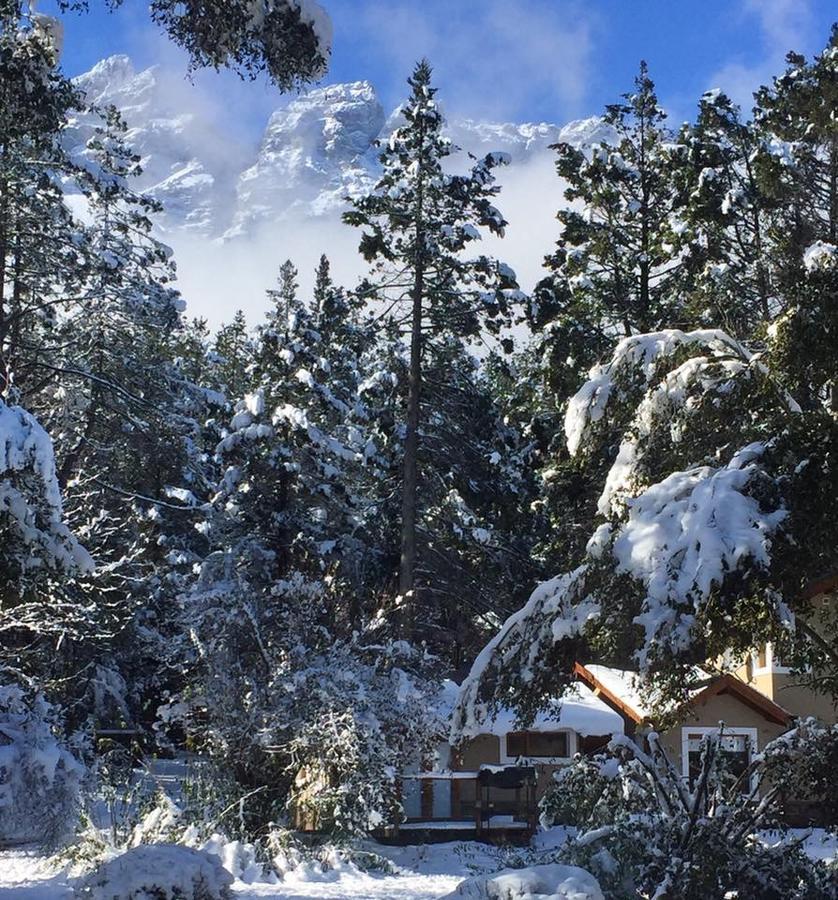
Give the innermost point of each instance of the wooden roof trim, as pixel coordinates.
(587, 677)
(765, 706)
(748, 695)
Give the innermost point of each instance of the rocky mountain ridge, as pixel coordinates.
(316, 149)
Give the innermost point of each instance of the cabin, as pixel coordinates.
(757, 702)
(489, 787)
(750, 718)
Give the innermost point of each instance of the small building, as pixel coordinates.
(489, 787)
(750, 718)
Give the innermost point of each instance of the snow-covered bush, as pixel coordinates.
(295, 719)
(583, 794)
(802, 765)
(362, 715)
(653, 835)
(40, 777)
(158, 872)
(552, 881)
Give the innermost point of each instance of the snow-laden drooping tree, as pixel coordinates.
(623, 264)
(38, 552)
(40, 775)
(32, 522)
(420, 226)
(288, 40)
(714, 523)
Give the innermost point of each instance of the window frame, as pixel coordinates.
(570, 734)
(703, 730)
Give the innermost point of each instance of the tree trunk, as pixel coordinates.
(407, 567)
(4, 203)
(407, 563)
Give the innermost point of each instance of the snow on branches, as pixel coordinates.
(684, 534)
(692, 504)
(636, 359)
(30, 501)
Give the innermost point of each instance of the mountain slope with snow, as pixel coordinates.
(281, 196)
(315, 151)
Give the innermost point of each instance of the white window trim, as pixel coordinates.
(572, 743)
(771, 666)
(687, 731)
(769, 659)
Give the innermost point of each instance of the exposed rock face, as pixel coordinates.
(315, 151)
(179, 166)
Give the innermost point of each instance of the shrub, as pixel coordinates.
(40, 778)
(158, 872)
(650, 834)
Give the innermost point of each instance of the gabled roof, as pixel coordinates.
(756, 700)
(620, 690)
(614, 687)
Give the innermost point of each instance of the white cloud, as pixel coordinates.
(783, 25)
(491, 58)
(217, 278)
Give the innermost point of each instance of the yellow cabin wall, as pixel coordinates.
(784, 689)
(802, 701)
(720, 708)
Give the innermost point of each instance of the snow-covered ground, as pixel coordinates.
(424, 873)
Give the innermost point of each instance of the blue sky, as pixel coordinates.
(524, 60)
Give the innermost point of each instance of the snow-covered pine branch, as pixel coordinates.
(694, 504)
(31, 511)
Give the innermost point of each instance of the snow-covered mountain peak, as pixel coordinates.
(115, 81)
(316, 150)
(338, 122)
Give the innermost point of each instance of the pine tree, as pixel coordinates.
(725, 178)
(280, 639)
(234, 350)
(619, 255)
(104, 378)
(797, 115)
(324, 288)
(41, 249)
(418, 222)
(798, 111)
(284, 298)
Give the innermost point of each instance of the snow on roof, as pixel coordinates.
(579, 710)
(625, 685)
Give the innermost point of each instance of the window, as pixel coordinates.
(737, 745)
(537, 744)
